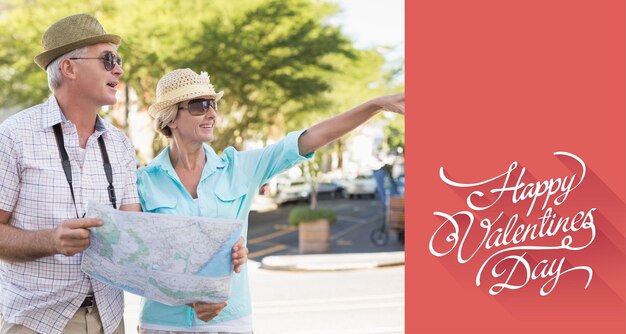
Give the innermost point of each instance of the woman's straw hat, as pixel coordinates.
(181, 85)
(71, 33)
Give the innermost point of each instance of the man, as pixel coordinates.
(51, 165)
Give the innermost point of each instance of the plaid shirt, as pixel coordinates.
(44, 294)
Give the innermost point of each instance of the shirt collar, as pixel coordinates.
(213, 161)
(52, 114)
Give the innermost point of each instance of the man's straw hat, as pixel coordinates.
(181, 85)
(71, 33)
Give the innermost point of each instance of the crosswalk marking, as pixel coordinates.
(271, 235)
(266, 251)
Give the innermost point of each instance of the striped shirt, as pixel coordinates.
(44, 294)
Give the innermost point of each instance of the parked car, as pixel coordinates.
(292, 190)
(329, 190)
(362, 185)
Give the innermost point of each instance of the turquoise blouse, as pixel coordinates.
(227, 187)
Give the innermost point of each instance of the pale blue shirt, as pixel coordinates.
(227, 187)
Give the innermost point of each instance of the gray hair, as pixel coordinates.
(54, 68)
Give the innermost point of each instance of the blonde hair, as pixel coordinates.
(163, 118)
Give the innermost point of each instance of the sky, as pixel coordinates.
(374, 23)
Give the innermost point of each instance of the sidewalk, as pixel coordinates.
(331, 262)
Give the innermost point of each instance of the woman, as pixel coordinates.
(189, 178)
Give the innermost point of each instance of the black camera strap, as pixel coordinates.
(67, 168)
(108, 171)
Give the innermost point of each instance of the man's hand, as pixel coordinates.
(72, 235)
(205, 311)
(240, 255)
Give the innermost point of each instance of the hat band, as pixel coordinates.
(201, 89)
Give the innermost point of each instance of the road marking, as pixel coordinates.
(341, 206)
(371, 330)
(325, 308)
(360, 220)
(267, 251)
(343, 242)
(357, 224)
(337, 206)
(326, 301)
(271, 235)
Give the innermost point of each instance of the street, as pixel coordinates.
(269, 232)
(358, 301)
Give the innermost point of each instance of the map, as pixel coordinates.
(174, 260)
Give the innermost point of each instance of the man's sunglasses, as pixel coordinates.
(199, 107)
(109, 59)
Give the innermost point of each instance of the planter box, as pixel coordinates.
(395, 213)
(314, 237)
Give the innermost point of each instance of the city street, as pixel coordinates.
(270, 234)
(356, 301)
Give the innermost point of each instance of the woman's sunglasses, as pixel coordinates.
(199, 107)
(109, 59)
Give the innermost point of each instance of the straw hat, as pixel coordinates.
(181, 85)
(71, 33)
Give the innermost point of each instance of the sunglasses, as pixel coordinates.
(199, 107)
(109, 59)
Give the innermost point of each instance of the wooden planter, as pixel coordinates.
(314, 237)
(395, 213)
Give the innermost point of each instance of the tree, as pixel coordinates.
(22, 23)
(282, 67)
(156, 37)
(394, 133)
(360, 79)
(271, 60)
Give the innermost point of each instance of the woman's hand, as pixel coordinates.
(240, 255)
(205, 311)
(394, 103)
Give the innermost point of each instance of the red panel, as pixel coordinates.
(490, 83)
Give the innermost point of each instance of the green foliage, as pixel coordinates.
(304, 215)
(311, 170)
(359, 80)
(281, 65)
(158, 36)
(394, 132)
(273, 59)
(22, 82)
